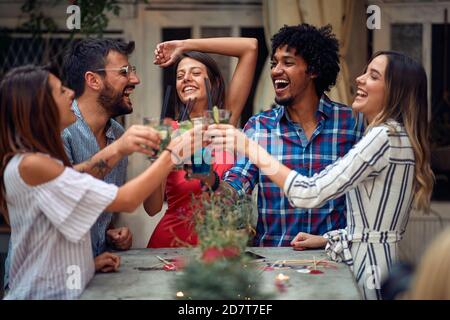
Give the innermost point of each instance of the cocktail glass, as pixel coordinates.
(217, 116)
(164, 130)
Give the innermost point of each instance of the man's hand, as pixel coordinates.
(138, 138)
(107, 262)
(228, 138)
(121, 238)
(304, 241)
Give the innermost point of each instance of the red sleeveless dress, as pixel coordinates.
(176, 228)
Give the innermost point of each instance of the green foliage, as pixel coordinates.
(222, 221)
(37, 22)
(223, 226)
(94, 16)
(229, 279)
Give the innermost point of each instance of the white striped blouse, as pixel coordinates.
(51, 256)
(377, 176)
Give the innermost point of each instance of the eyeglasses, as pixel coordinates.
(124, 71)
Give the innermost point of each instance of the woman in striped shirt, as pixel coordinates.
(384, 176)
(50, 206)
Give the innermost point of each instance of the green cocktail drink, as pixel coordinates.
(216, 116)
(164, 131)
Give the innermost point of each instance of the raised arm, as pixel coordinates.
(245, 49)
(37, 169)
(369, 156)
(134, 192)
(136, 139)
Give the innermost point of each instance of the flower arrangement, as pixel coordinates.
(223, 222)
(221, 271)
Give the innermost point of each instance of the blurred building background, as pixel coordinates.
(34, 31)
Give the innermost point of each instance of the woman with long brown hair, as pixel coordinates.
(49, 205)
(194, 69)
(384, 176)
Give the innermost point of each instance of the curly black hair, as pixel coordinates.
(318, 47)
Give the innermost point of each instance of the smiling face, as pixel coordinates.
(370, 94)
(63, 97)
(117, 85)
(289, 76)
(190, 83)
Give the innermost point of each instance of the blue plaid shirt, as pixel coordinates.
(336, 133)
(80, 145)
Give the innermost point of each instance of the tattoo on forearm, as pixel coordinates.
(102, 167)
(98, 169)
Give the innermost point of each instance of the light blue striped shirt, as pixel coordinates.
(81, 144)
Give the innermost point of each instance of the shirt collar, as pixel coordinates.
(324, 110)
(76, 109)
(109, 132)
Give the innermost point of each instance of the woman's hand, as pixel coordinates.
(167, 52)
(188, 143)
(225, 137)
(304, 241)
(107, 262)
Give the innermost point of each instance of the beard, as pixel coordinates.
(112, 101)
(286, 102)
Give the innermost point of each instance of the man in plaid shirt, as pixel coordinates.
(306, 131)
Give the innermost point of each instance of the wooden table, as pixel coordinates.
(136, 280)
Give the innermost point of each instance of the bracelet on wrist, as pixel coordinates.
(178, 159)
(216, 183)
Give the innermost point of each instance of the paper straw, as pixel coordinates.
(185, 110)
(208, 92)
(190, 107)
(166, 102)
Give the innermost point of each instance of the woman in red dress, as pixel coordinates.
(193, 66)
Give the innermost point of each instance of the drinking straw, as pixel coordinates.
(208, 92)
(182, 116)
(166, 102)
(189, 108)
(180, 111)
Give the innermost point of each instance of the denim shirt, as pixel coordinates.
(80, 145)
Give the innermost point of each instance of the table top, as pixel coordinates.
(136, 279)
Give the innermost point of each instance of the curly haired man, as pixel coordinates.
(305, 130)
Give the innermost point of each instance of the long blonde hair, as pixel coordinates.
(432, 278)
(406, 102)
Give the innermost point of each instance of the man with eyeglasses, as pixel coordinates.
(99, 72)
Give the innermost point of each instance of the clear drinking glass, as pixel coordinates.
(201, 159)
(164, 131)
(217, 116)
